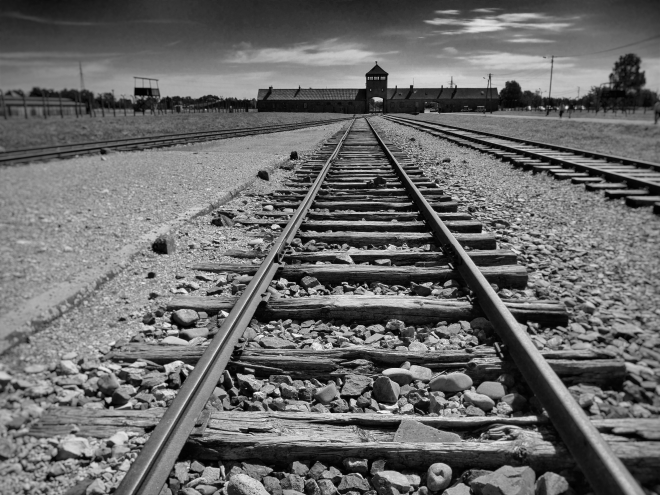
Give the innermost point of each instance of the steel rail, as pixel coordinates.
(594, 154)
(26, 154)
(605, 472)
(652, 186)
(153, 465)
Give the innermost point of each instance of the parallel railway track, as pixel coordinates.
(379, 283)
(638, 181)
(27, 155)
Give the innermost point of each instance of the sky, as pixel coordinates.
(233, 48)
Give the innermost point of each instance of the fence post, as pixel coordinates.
(91, 103)
(25, 107)
(44, 105)
(4, 105)
(59, 95)
(102, 109)
(114, 106)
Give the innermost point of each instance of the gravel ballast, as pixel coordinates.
(559, 242)
(596, 255)
(61, 218)
(111, 315)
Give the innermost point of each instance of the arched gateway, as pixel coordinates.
(394, 100)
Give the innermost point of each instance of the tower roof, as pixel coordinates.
(376, 71)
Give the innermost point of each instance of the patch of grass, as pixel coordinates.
(17, 133)
(630, 140)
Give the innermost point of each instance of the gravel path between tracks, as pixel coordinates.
(630, 140)
(62, 218)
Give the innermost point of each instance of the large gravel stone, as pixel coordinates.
(276, 343)
(385, 390)
(552, 484)
(325, 395)
(73, 448)
(399, 375)
(494, 390)
(185, 317)
(411, 431)
(480, 400)
(507, 480)
(453, 382)
(191, 333)
(459, 489)
(107, 384)
(384, 480)
(242, 484)
(355, 385)
(353, 482)
(421, 373)
(438, 477)
(327, 487)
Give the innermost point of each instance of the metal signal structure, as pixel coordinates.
(145, 96)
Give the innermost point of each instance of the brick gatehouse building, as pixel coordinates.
(395, 100)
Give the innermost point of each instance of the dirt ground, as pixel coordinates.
(634, 141)
(27, 133)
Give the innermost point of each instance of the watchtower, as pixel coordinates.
(146, 97)
(377, 84)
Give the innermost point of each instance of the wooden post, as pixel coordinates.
(102, 109)
(25, 107)
(44, 105)
(4, 105)
(123, 104)
(59, 95)
(91, 103)
(114, 107)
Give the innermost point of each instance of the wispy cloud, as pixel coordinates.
(63, 22)
(450, 50)
(38, 56)
(489, 10)
(448, 12)
(506, 61)
(529, 40)
(325, 53)
(501, 22)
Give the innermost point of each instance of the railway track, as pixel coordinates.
(368, 342)
(27, 155)
(637, 181)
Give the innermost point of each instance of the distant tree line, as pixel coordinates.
(624, 91)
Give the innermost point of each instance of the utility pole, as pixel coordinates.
(82, 80)
(552, 64)
(489, 88)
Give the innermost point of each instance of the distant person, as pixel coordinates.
(656, 110)
(570, 110)
(561, 110)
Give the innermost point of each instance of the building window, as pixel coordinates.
(304, 105)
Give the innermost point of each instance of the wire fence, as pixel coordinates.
(86, 104)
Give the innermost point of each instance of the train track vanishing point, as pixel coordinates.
(374, 282)
(638, 181)
(26, 155)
